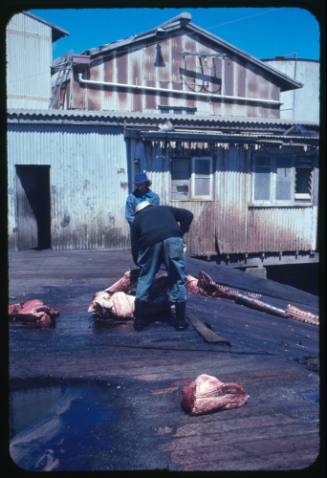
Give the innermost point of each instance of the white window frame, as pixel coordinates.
(295, 199)
(208, 197)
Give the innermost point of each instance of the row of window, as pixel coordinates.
(276, 180)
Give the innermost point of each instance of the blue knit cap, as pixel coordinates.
(141, 178)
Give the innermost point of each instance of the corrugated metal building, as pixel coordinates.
(176, 67)
(29, 58)
(200, 116)
(302, 104)
(83, 162)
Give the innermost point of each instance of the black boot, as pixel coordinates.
(180, 322)
(139, 322)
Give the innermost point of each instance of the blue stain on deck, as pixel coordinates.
(311, 396)
(70, 434)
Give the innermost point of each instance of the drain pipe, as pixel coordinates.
(180, 92)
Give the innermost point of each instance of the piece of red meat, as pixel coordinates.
(34, 310)
(207, 394)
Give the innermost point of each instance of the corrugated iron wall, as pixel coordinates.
(233, 191)
(89, 173)
(280, 229)
(160, 64)
(302, 104)
(88, 178)
(29, 54)
(227, 224)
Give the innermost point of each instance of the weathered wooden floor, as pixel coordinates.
(275, 359)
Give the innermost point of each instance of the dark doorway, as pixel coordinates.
(33, 207)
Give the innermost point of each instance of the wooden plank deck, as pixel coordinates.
(275, 359)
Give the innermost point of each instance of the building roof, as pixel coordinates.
(289, 59)
(155, 117)
(184, 21)
(56, 31)
(153, 126)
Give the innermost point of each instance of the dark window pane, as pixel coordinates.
(202, 167)
(303, 176)
(303, 181)
(180, 178)
(180, 169)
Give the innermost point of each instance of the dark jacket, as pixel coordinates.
(156, 223)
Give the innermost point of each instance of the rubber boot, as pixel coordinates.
(139, 322)
(180, 322)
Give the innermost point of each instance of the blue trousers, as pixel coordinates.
(170, 253)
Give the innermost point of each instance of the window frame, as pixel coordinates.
(191, 181)
(206, 197)
(303, 196)
(296, 199)
(188, 180)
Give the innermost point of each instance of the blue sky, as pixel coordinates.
(261, 32)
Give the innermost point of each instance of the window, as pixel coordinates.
(180, 178)
(303, 178)
(280, 179)
(191, 178)
(177, 110)
(283, 177)
(202, 178)
(262, 179)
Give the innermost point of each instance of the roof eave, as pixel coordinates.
(56, 31)
(286, 82)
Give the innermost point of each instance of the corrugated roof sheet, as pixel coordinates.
(121, 116)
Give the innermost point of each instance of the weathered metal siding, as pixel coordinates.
(200, 239)
(280, 229)
(232, 197)
(88, 178)
(302, 104)
(242, 228)
(229, 224)
(155, 158)
(29, 57)
(160, 64)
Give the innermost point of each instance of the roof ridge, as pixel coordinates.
(184, 17)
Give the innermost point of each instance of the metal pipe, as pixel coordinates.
(180, 92)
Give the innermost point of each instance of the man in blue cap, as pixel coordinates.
(142, 192)
(157, 237)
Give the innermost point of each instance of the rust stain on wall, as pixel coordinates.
(93, 95)
(122, 77)
(163, 72)
(108, 77)
(189, 68)
(241, 73)
(77, 93)
(150, 76)
(137, 96)
(228, 77)
(176, 62)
